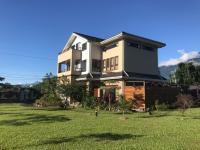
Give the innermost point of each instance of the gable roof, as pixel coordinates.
(89, 38)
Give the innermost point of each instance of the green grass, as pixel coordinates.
(25, 127)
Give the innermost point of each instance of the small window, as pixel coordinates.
(107, 64)
(73, 47)
(110, 46)
(104, 65)
(112, 63)
(116, 63)
(83, 66)
(147, 48)
(133, 44)
(84, 46)
(68, 65)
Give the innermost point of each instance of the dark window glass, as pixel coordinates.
(132, 44)
(147, 48)
(107, 64)
(104, 64)
(96, 65)
(68, 65)
(84, 46)
(110, 46)
(83, 66)
(73, 47)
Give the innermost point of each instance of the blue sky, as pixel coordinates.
(32, 32)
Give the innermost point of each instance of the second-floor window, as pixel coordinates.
(96, 65)
(77, 66)
(83, 66)
(110, 46)
(84, 46)
(78, 46)
(133, 44)
(110, 64)
(64, 66)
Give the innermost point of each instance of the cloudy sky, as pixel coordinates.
(184, 56)
(33, 32)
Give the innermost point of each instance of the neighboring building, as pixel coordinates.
(126, 59)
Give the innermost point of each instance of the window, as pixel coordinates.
(64, 66)
(68, 65)
(84, 46)
(107, 64)
(96, 65)
(77, 66)
(78, 46)
(147, 48)
(133, 44)
(112, 63)
(73, 47)
(83, 66)
(116, 63)
(104, 65)
(110, 46)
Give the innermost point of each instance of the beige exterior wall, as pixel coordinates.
(118, 84)
(73, 55)
(140, 61)
(116, 51)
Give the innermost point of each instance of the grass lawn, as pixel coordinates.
(25, 127)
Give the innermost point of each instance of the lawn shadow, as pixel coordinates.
(155, 115)
(96, 137)
(28, 119)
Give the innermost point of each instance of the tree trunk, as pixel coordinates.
(109, 97)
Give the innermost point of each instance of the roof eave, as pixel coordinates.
(123, 35)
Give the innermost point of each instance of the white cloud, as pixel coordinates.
(184, 56)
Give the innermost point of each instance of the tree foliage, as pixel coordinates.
(187, 74)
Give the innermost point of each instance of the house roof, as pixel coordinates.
(125, 35)
(90, 38)
(134, 76)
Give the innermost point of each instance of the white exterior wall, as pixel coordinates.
(86, 56)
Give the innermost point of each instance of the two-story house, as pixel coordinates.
(120, 61)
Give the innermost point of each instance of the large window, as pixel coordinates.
(96, 65)
(64, 66)
(110, 64)
(83, 66)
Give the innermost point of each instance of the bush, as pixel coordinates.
(184, 102)
(90, 102)
(161, 107)
(47, 101)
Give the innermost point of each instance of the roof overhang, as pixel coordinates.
(124, 35)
